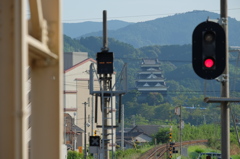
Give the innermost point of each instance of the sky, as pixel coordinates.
(74, 11)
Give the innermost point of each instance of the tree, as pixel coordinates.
(131, 96)
(149, 111)
(163, 111)
(163, 135)
(154, 98)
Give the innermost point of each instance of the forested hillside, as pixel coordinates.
(171, 30)
(184, 86)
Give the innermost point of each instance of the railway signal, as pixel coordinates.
(105, 62)
(170, 149)
(208, 50)
(170, 137)
(174, 150)
(94, 141)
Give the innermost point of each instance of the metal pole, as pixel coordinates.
(122, 128)
(105, 110)
(225, 115)
(105, 40)
(105, 88)
(65, 130)
(180, 130)
(92, 116)
(85, 131)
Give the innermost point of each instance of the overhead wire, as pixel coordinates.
(134, 16)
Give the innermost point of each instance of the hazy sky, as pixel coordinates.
(138, 10)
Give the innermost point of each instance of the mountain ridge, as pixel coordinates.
(74, 30)
(171, 30)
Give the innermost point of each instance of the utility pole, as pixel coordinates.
(75, 132)
(225, 110)
(180, 128)
(122, 128)
(85, 131)
(106, 85)
(105, 71)
(92, 117)
(213, 39)
(105, 88)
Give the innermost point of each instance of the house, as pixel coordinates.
(140, 134)
(73, 134)
(150, 130)
(131, 139)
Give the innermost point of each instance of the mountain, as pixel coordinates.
(176, 61)
(171, 30)
(184, 86)
(74, 30)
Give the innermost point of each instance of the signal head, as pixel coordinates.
(209, 50)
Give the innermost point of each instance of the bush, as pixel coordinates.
(193, 154)
(74, 155)
(214, 143)
(162, 136)
(199, 150)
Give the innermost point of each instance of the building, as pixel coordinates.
(150, 77)
(73, 58)
(73, 134)
(138, 135)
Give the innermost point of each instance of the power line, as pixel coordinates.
(134, 16)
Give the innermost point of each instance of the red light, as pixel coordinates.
(209, 63)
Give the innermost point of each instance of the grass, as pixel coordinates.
(132, 153)
(193, 151)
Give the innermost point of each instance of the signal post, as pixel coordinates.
(210, 60)
(107, 91)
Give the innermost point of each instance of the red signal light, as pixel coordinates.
(209, 62)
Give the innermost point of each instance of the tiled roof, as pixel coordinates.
(130, 135)
(78, 129)
(150, 61)
(80, 63)
(147, 129)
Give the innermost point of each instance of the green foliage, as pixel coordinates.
(194, 151)
(127, 152)
(154, 98)
(235, 157)
(74, 155)
(131, 96)
(72, 45)
(199, 150)
(214, 143)
(184, 87)
(163, 135)
(191, 132)
(133, 153)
